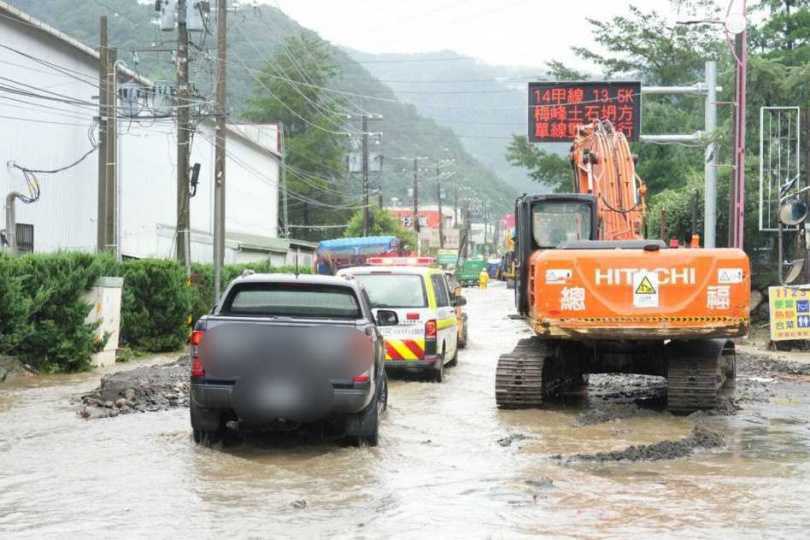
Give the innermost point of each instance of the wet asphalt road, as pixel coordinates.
(439, 471)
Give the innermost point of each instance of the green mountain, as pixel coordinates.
(483, 104)
(254, 34)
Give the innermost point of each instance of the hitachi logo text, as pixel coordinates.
(624, 276)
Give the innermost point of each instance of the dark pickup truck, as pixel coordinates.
(283, 351)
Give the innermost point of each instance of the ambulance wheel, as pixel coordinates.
(438, 372)
(454, 361)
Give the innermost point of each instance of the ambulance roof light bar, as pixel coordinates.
(400, 261)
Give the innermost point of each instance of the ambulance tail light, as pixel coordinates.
(195, 341)
(431, 329)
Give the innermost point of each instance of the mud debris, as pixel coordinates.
(606, 412)
(515, 437)
(542, 483)
(144, 389)
(700, 438)
(760, 364)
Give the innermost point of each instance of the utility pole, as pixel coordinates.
(219, 158)
(738, 213)
(416, 226)
(365, 174)
(439, 199)
(380, 183)
(111, 151)
(455, 206)
(467, 229)
(710, 158)
(284, 207)
(183, 230)
(484, 215)
(103, 108)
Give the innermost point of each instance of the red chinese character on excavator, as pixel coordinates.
(625, 95)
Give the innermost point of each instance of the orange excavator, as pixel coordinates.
(602, 299)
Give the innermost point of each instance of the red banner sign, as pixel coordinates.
(556, 109)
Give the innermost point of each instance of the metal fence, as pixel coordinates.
(779, 167)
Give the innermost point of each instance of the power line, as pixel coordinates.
(57, 170)
(292, 111)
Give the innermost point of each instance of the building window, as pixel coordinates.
(25, 238)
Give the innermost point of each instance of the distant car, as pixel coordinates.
(426, 336)
(282, 351)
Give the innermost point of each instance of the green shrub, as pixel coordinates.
(14, 306)
(155, 305)
(55, 336)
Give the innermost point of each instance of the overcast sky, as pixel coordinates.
(505, 32)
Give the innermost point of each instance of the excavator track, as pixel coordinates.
(700, 375)
(529, 374)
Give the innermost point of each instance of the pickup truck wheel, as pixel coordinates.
(202, 421)
(366, 424)
(206, 438)
(383, 400)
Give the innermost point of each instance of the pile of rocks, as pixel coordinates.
(144, 389)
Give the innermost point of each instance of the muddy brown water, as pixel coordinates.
(439, 470)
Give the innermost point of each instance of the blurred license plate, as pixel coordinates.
(280, 393)
(401, 331)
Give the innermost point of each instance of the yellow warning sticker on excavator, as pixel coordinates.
(645, 289)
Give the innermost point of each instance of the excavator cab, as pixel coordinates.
(544, 222)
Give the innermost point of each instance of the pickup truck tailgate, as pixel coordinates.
(278, 365)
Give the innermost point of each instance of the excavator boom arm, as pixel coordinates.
(605, 168)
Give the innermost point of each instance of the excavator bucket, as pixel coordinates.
(638, 289)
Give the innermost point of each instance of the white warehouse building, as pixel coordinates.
(48, 106)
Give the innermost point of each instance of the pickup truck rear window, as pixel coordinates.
(292, 300)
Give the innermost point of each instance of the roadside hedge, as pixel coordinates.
(42, 297)
(42, 311)
(154, 305)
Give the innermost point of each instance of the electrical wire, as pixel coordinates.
(290, 109)
(57, 170)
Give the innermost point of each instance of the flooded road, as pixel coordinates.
(439, 471)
